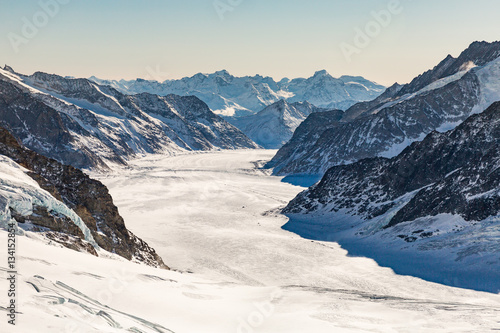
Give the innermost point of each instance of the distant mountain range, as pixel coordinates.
(435, 205)
(439, 99)
(228, 95)
(86, 125)
(272, 127)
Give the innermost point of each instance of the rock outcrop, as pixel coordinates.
(87, 197)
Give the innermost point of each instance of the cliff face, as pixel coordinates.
(87, 197)
(43, 129)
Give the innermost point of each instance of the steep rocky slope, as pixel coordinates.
(437, 100)
(64, 203)
(86, 125)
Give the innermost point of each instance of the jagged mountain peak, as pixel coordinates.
(321, 73)
(222, 72)
(60, 82)
(477, 54)
(8, 69)
(283, 81)
(284, 109)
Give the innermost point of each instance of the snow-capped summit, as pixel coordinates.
(323, 90)
(229, 95)
(275, 124)
(224, 74)
(321, 73)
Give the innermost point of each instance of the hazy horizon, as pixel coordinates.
(383, 41)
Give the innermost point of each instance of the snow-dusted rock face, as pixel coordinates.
(442, 192)
(80, 123)
(40, 194)
(437, 100)
(272, 127)
(242, 96)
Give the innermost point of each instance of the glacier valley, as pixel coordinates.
(213, 216)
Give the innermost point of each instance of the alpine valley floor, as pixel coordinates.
(213, 219)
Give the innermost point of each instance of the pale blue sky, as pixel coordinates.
(292, 38)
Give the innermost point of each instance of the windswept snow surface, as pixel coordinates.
(212, 217)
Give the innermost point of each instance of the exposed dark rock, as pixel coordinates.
(71, 242)
(41, 128)
(43, 218)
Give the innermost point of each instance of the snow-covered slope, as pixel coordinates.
(81, 123)
(439, 198)
(440, 99)
(241, 96)
(272, 127)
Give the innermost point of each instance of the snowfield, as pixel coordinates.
(213, 219)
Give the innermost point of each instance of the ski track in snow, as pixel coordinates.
(212, 217)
